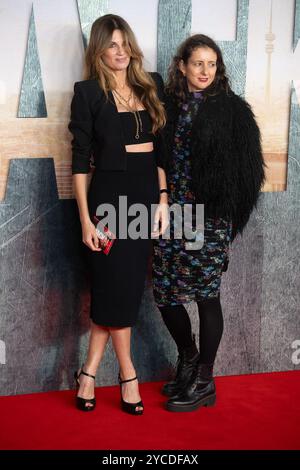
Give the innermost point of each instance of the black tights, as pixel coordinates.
(178, 323)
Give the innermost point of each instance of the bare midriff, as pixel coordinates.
(146, 147)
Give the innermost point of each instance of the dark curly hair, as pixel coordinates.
(176, 82)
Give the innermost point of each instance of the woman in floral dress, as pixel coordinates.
(214, 159)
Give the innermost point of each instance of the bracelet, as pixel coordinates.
(164, 191)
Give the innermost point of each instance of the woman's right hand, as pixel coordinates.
(89, 235)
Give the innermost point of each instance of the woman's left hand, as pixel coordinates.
(161, 220)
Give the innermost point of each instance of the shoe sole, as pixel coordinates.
(82, 406)
(208, 401)
(86, 409)
(130, 408)
(132, 412)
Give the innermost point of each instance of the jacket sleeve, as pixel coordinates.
(161, 151)
(81, 126)
(247, 148)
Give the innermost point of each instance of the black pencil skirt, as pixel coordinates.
(118, 279)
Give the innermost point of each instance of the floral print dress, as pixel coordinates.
(181, 275)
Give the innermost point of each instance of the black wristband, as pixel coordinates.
(164, 191)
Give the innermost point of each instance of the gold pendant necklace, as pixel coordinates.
(122, 97)
(135, 112)
(138, 120)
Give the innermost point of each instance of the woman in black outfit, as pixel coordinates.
(116, 117)
(215, 159)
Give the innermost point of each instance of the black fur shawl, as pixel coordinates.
(227, 162)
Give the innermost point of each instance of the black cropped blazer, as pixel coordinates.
(96, 127)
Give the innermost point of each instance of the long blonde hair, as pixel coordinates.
(139, 80)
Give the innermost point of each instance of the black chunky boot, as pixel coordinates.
(200, 392)
(186, 365)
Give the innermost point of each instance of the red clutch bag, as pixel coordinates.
(106, 237)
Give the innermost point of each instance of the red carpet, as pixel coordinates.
(258, 411)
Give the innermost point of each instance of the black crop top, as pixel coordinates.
(129, 127)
